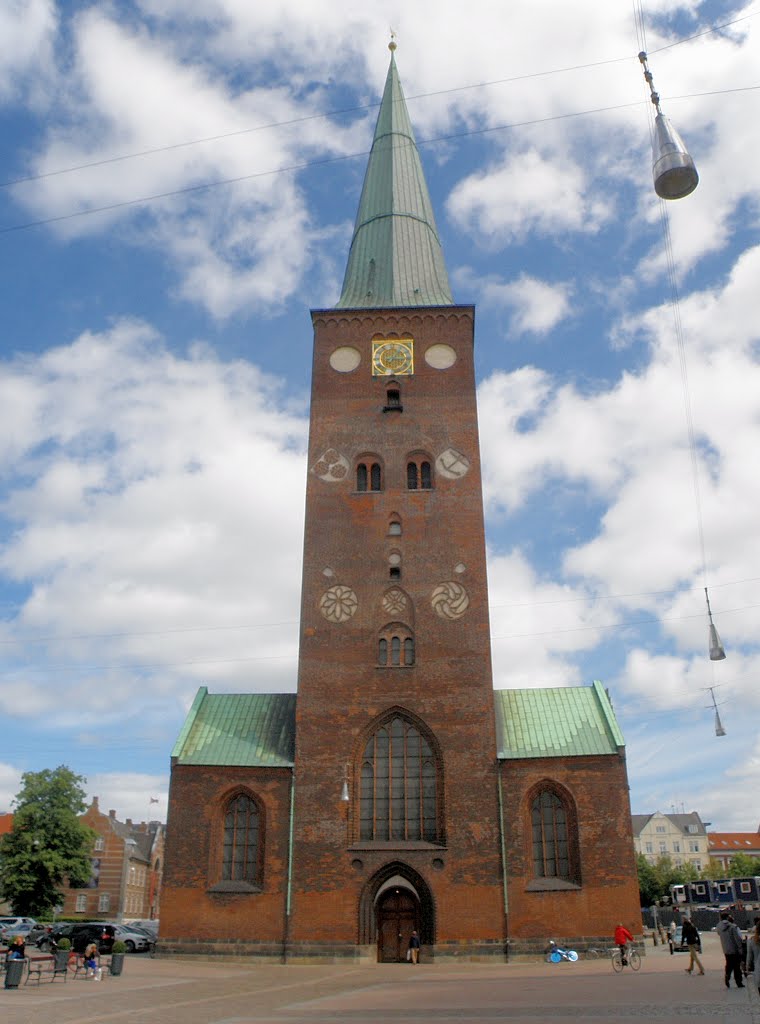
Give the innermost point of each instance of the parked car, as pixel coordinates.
(81, 935)
(148, 925)
(676, 943)
(135, 941)
(16, 925)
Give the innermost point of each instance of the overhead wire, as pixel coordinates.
(361, 108)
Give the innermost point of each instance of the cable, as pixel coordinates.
(341, 112)
(142, 200)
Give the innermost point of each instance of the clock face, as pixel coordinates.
(392, 358)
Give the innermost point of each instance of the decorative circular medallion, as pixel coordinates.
(345, 359)
(440, 357)
(450, 600)
(331, 466)
(452, 464)
(394, 602)
(392, 358)
(338, 604)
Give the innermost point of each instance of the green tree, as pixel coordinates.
(648, 883)
(742, 865)
(48, 843)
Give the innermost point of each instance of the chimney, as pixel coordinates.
(129, 823)
(112, 814)
(95, 803)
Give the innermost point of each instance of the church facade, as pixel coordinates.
(396, 791)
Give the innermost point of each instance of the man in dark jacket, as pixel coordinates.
(690, 936)
(731, 944)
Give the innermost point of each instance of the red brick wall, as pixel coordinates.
(189, 911)
(609, 892)
(341, 688)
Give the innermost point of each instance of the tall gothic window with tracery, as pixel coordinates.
(240, 855)
(551, 846)
(399, 798)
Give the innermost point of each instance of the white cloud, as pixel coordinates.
(27, 29)
(528, 192)
(138, 564)
(537, 306)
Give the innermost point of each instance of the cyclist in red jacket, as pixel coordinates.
(622, 938)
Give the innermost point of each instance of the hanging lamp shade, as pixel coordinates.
(716, 647)
(674, 172)
(719, 730)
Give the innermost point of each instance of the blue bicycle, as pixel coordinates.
(557, 954)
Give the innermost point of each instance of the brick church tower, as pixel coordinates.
(396, 792)
(395, 695)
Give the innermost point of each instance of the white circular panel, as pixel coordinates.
(440, 357)
(345, 359)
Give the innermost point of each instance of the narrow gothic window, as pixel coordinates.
(361, 477)
(394, 528)
(398, 785)
(382, 653)
(375, 477)
(409, 651)
(419, 474)
(393, 397)
(551, 851)
(240, 857)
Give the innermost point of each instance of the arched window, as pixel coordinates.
(369, 476)
(394, 527)
(419, 474)
(240, 853)
(553, 836)
(399, 788)
(395, 646)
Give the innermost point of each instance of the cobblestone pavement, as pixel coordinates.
(164, 991)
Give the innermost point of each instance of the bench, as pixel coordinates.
(44, 968)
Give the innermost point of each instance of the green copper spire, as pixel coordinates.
(395, 257)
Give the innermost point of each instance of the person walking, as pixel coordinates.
(414, 948)
(731, 944)
(753, 954)
(690, 936)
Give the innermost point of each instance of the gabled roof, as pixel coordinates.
(564, 721)
(242, 729)
(395, 257)
(680, 822)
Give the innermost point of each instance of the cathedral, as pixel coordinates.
(396, 790)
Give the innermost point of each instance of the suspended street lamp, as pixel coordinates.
(719, 730)
(674, 172)
(716, 647)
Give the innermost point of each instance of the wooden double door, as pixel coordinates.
(398, 915)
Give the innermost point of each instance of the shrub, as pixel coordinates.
(64, 943)
(119, 947)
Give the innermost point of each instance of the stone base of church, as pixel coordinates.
(236, 950)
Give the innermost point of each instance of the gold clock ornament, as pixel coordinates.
(393, 358)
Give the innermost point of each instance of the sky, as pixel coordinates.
(178, 184)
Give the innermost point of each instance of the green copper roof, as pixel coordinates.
(395, 257)
(242, 729)
(567, 721)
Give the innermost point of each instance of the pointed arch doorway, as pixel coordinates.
(398, 913)
(395, 902)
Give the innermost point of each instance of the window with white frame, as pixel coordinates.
(100, 843)
(649, 848)
(81, 904)
(104, 902)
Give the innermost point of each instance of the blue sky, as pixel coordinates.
(155, 358)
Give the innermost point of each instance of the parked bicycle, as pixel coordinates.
(556, 954)
(631, 959)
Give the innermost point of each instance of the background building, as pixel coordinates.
(682, 837)
(724, 846)
(127, 865)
